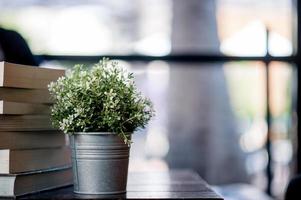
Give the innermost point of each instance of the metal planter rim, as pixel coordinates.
(98, 133)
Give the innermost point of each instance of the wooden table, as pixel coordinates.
(179, 184)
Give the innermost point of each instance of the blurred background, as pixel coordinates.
(220, 73)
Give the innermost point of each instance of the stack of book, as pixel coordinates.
(33, 155)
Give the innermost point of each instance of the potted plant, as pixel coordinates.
(99, 108)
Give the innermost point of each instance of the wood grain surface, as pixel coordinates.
(175, 184)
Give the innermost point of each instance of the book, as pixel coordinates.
(31, 139)
(23, 76)
(25, 123)
(17, 161)
(16, 108)
(25, 95)
(13, 185)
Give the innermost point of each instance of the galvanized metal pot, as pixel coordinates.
(100, 163)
